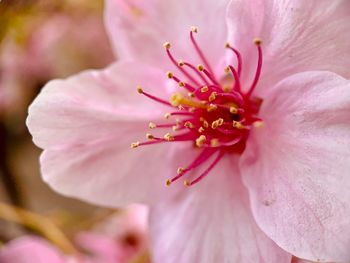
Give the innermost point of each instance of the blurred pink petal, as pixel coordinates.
(296, 167)
(30, 250)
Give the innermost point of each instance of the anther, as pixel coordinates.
(180, 170)
(194, 29)
(167, 115)
(257, 41)
(181, 84)
(170, 75)
(214, 142)
(191, 94)
(152, 125)
(237, 125)
(175, 128)
(187, 183)
(189, 124)
(233, 110)
(211, 107)
(200, 67)
(134, 145)
(168, 182)
(212, 96)
(149, 136)
(227, 70)
(180, 63)
(227, 45)
(139, 89)
(205, 124)
(168, 137)
(200, 140)
(201, 129)
(204, 89)
(167, 45)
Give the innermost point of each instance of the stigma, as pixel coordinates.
(213, 113)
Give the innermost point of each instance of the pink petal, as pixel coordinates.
(297, 167)
(297, 36)
(211, 222)
(30, 250)
(95, 105)
(166, 21)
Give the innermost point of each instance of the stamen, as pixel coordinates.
(237, 84)
(195, 70)
(152, 125)
(168, 137)
(206, 172)
(257, 42)
(207, 73)
(149, 136)
(135, 145)
(239, 58)
(167, 46)
(140, 90)
(200, 140)
(202, 157)
(199, 51)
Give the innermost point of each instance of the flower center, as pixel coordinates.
(215, 115)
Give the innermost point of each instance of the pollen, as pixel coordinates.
(152, 125)
(257, 41)
(213, 96)
(149, 136)
(233, 110)
(204, 89)
(168, 182)
(170, 75)
(211, 107)
(180, 170)
(139, 89)
(167, 45)
(201, 129)
(201, 140)
(167, 115)
(238, 125)
(134, 145)
(200, 67)
(168, 137)
(194, 29)
(180, 63)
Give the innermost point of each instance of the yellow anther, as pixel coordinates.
(191, 94)
(188, 124)
(214, 125)
(181, 84)
(227, 45)
(214, 142)
(167, 45)
(180, 63)
(152, 125)
(200, 67)
(139, 89)
(201, 129)
(220, 121)
(168, 182)
(211, 107)
(175, 128)
(187, 183)
(233, 110)
(212, 96)
(134, 145)
(168, 137)
(149, 136)
(169, 74)
(194, 29)
(200, 140)
(238, 125)
(227, 70)
(205, 124)
(167, 115)
(204, 89)
(257, 41)
(258, 124)
(226, 88)
(180, 170)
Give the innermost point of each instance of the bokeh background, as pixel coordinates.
(42, 40)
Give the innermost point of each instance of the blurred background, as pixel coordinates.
(41, 40)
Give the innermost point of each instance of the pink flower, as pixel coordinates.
(263, 145)
(99, 245)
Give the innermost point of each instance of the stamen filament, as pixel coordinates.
(258, 68)
(140, 90)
